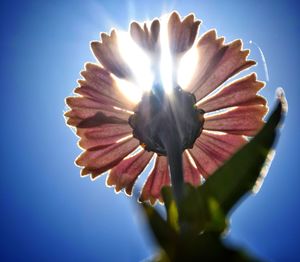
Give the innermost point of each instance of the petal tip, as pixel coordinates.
(280, 94)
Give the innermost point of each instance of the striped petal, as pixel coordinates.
(86, 102)
(182, 34)
(211, 150)
(99, 85)
(239, 93)
(243, 120)
(220, 152)
(81, 116)
(158, 178)
(204, 161)
(224, 143)
(217, 63)
(147, 38)
(100, 160)
(91, 93)
(101, 136)
(127, 171)
(107, 52)
(190, 172)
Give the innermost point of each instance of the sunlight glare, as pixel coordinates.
(166, 63)
(133, 92)
(187, 67)
(139, 63)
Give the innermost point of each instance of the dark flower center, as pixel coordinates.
(159, 116)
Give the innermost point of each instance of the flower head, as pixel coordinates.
(212, 120)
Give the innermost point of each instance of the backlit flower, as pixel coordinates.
(118, 134)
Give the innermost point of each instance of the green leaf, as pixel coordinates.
(239, 175)
(193, 210)
(165, 235)
(171, 208)
(217, 221)
(208, 247)
(200, 212)
(203, 247)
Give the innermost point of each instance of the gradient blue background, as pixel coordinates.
(49, 213)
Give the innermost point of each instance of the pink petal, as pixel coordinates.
(85, 109)
(182, 34)
(191, 173)
(86, 102)
(74, 121)
(218, 155)
(158, 178)
(146, 37)
(205, 162)
(127, 171)
(211, 150)
(99, 100)
(222, 142)
(91, 93)
(217, 63)
(98, 161)
(97, 120)
(239, 93)
(100, 85)
(98, 77)
(208, 47)
(243, 120)
(107, 52)
(103, 135)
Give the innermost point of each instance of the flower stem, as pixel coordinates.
(174, 154)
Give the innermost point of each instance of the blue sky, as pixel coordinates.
(47, 211)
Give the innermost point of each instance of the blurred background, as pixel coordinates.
(50, 213)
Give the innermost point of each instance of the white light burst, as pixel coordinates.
(187, 67)
(140, 64)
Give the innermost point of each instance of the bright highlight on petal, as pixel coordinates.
(187, 67)
(166, 63)
(132, 91)
(140, 65)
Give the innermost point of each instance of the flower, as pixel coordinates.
(113, 129)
